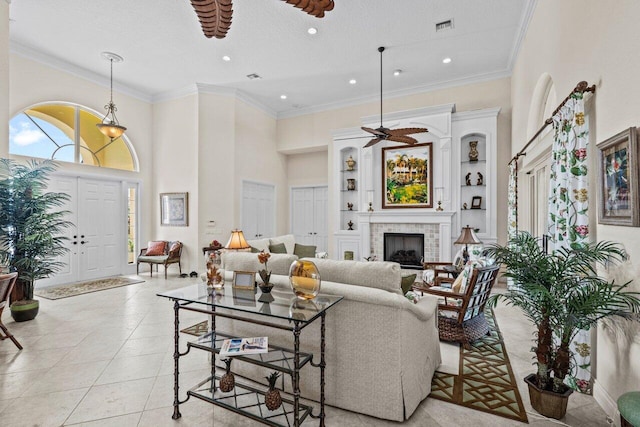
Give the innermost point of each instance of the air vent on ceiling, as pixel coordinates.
(253, 76)
(444, 25)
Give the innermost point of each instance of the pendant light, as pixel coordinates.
(110, 126)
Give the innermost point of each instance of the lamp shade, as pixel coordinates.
(111, 129)
(467, 237)
(237, 241)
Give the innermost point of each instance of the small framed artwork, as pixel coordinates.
(174, 209)
(407, 178)
(476, 202)
(244, 280)
(618, 179)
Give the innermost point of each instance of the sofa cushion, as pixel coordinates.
(160, 259)
(407, 282)
(302, 251)
(156, 248)
(288, 239)
(245, 261)
(380, 274)
(278, 248)
(259, 244)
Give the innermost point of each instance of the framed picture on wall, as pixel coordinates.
(174, 209)
(407, 177)
(618, 179)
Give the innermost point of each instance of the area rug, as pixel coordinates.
(65, 291)
(485, 381)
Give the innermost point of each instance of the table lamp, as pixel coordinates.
(467, 237)
(237, 241)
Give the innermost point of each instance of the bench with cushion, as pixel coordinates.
(160, 252)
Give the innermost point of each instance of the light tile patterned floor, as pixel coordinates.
(105, 359)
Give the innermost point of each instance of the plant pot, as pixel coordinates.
(546, 402)
(24, 310)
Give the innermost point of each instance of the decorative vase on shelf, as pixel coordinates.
(473, 151)
(350, 163)
(304, 279)
(351, 184)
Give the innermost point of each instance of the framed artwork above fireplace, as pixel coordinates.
(407, 176)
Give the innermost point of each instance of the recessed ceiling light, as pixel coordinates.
(226, 58)
(397, 72)
(283, 96)
(446, 60)
(352, 81)
(312, 30)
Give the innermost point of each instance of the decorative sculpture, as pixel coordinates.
(350, 225)
(464, 206)
(349, 206)
(468, 178)
(480, 179)
(473, 151)
(350, 163)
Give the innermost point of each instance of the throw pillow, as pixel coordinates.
(279, 248)
(255, 250)
(407, 282)
(304, 251)
(174, 250)
(156, 248)
(457, 284)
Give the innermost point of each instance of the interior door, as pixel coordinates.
(258, 210)
(302, 215)
(320, 210)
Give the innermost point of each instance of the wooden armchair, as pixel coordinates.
(461, 315)
(160, 252)
(7, 282)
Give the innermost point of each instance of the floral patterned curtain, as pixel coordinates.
(512, 200)
(568, 209)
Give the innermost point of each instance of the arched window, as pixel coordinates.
(67, 132)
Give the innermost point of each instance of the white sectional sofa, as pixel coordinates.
(381, 349)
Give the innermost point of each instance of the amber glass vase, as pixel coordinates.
(304, 279)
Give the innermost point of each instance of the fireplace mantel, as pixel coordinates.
(443, 219)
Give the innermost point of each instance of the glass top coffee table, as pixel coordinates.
(266, 310)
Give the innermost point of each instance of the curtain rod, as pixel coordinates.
(581, 87)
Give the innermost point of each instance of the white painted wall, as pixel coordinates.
(592, 40)
(257, 159)
(4, 79)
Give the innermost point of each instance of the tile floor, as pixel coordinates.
(105, 359)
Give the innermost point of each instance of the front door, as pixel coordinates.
(96, 241)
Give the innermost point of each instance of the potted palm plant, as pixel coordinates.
(561, 293)
(30, 229)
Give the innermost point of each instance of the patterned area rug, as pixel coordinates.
(65, 291)
(486, 382)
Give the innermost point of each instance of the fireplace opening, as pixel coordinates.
(407, 249)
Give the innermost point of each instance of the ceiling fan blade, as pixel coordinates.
(406, 131)
(214, 16)
(374, 131)
(403, 139)
(373, 142)
(315, 8)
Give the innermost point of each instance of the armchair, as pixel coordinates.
(461, 314)
(7, 281)
(160, 252)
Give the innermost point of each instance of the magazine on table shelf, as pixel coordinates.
(238, 346)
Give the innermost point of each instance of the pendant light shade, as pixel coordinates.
(110, 126)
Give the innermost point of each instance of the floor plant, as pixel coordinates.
(31, 228)
(561, 293)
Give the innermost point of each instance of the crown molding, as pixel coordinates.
(476, 114)
(395, 94)
(58, 64)
(523, 27)
(207, 88)
(410, 114)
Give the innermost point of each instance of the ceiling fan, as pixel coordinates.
(215, 15)
(385, 134)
